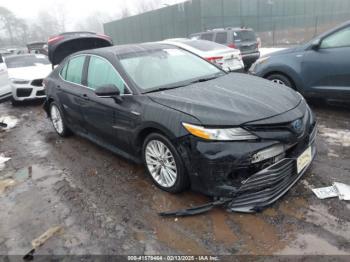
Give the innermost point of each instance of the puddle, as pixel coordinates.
(340, 137)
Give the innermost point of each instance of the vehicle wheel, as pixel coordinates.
(280, 79)
(57, 120)
(164, 164)
(15, 102)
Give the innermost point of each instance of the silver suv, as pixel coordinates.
(243, 39)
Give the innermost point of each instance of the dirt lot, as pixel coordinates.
(107, 205)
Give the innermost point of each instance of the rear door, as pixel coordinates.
(326, 71)
(71, 92)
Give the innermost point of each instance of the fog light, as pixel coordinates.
(268, 153)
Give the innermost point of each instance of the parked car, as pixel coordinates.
(188, 121)
(227, 58)
(26, 74)
(243, 39)
(37, 48)
(319, 68)
(5, 88)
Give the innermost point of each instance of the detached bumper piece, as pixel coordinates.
(265, 187)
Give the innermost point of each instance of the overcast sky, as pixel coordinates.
(76, 9)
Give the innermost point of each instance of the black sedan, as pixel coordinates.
(193, 125)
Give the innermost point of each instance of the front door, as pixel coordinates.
(326, 70)
(106, 118)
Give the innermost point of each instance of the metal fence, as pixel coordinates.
(277, 22)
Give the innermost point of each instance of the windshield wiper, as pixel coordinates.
(198, 80)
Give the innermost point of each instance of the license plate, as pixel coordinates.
(304, 159)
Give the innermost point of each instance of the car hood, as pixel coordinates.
(230, 100)
(283, 51)
(30, 72)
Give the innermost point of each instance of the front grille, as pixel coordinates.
(40, 93)
(37, 82)
(23, 92)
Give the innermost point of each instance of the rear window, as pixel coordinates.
(207, 36)
(245, 35)
(26, 61)
(204, 45)
(221, 38)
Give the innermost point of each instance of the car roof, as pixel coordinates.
(214, 30)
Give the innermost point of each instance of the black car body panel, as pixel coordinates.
(227, 101)
(215, 168)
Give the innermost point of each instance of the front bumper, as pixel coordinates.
(27, 92)
(225, 170)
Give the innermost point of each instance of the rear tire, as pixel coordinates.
(164, 164)
(281, 79)
(58, 121)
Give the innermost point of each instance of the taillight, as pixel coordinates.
(213, 59)
(232, 46)
(54, 39)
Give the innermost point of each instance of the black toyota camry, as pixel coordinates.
(193, 125)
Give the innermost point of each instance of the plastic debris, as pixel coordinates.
(5, 184)
(39, 241)
(343, 191)
(8, 122)
(340, 190)
(3, 160)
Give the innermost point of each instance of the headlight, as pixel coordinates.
(224, 134)
(19, 81)
(262, 60)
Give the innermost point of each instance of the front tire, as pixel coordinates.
(280, 79)
(57, 120)
(164, 164)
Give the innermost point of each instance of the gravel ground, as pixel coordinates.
(106, 205)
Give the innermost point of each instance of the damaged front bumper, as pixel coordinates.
(228, 171)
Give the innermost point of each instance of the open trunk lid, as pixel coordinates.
(65, 44)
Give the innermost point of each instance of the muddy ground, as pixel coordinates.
(107, 205)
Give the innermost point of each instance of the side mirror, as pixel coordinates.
(109, 91)
(316, 44)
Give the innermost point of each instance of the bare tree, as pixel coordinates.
(125, 12)
(8, 22)
(147, 5)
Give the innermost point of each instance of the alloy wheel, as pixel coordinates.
(278, 81)
(161, 163)
(56, 119)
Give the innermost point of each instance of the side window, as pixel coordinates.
(221, 38)
(75, 69)
(64, 71)
(101, 73)
(207, 36)
(337, 39)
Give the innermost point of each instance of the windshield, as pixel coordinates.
(25, 61)
(175, 66)
(245, 35)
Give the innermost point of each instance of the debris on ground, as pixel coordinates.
(4, 184)
(3, 160)
(8, 122)
(337, 190)
(39, 241)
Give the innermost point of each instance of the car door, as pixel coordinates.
(5, 87)
(70, 92)
(107, 119)
(325, 70)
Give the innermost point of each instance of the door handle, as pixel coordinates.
(85, 96)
